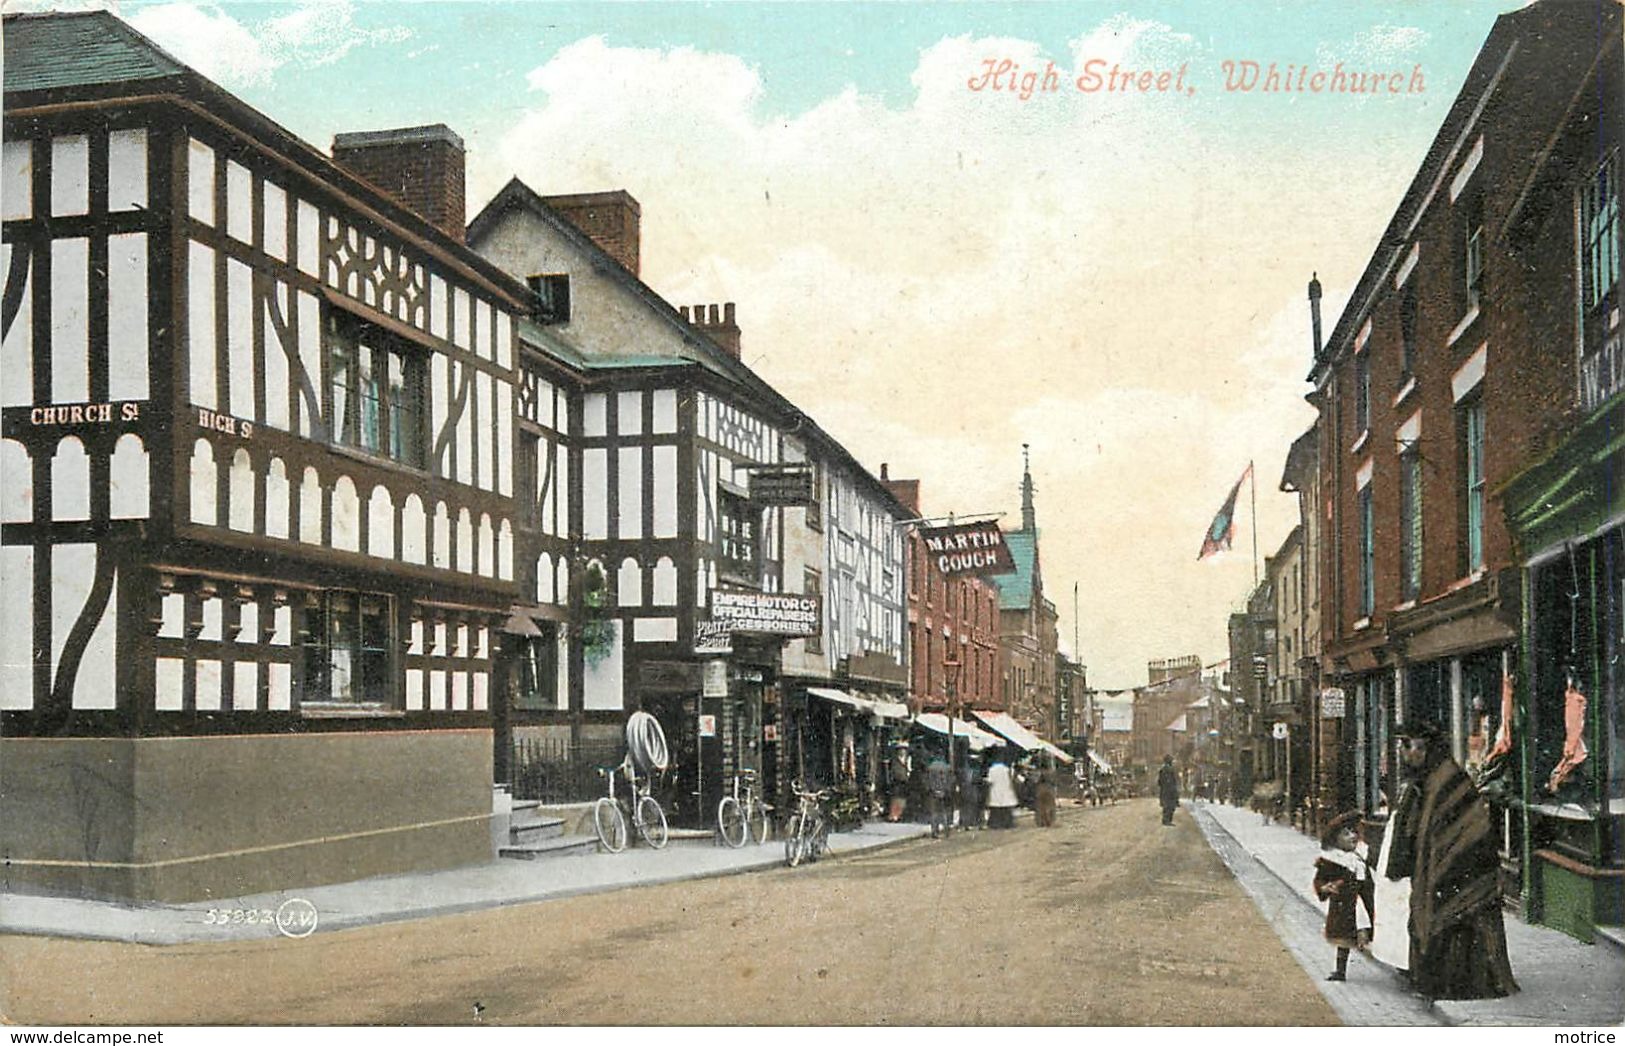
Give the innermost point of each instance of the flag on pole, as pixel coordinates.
(1224, 524)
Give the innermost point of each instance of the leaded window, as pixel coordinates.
(349, 649)
(378, 396)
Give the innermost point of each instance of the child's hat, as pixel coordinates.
(1348, 819)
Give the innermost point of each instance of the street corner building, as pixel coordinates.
(1458, 558)
(259, 517)
(333, 524)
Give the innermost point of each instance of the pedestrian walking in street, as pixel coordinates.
(1343, 881)
(1044, 800)
(939, 786)
(1001, 795)
(1445, 842)
(970, 795)
(897, 775)
(1168, 788)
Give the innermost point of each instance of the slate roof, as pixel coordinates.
(81, 49)
(1016, 590)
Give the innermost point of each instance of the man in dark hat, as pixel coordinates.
(1168, 788)
(1445, 842)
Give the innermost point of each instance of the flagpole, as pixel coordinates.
(1252, 485)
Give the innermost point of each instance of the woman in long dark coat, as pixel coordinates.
(1168, 788)
(1446, 843)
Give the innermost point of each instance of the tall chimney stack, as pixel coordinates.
(421, 168)
(720, 327)
(1314, 309)
(613, 220)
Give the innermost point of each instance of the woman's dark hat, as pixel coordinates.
(1350, 819)
(1417, 728)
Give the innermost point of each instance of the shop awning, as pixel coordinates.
(979, 739)
(889, 709)
(841, 697)
(1100, 764)
(1005, 725)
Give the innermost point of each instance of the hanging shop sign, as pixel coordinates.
(712, 637)
(765, 613)
(716, 679)
(1333, 703)
(788, 486)
(968, 548)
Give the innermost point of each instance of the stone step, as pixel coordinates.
(539, 828)
(559, 846)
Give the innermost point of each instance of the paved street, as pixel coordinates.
(1107, 919)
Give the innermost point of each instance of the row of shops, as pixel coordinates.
(1457, 562)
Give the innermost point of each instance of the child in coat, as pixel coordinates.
(1343, 881)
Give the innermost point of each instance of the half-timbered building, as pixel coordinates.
(259, 526)
(671, 430)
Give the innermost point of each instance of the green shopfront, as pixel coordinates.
(1567, 514)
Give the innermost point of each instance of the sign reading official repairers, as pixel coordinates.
(968, 548)
(769, 613)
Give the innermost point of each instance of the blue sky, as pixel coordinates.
(939, 275)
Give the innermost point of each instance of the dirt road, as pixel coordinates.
(1108, 918)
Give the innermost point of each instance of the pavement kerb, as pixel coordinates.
(331, 924)
(1400, 979)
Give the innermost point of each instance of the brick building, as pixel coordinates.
(953, 628)
(1482, 333)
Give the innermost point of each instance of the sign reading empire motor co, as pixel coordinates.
(771, 613)
(969, 548)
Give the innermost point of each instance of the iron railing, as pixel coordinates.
(554, 770)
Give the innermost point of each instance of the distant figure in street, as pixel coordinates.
(1343, 881)
(1044, 800)
(970, 795)
(897, 772)
(939, 786)
(1001, 795)
(1168, 788)
(1444, 841)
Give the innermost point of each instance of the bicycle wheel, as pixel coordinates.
(731, 822)
(794, 844)
(756, 820)
(820, 839)
(610, 824)
(651, 821)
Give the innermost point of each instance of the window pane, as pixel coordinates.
(371, 397)
(342, 365)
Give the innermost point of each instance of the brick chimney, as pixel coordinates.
(420, 167)
(612, 220)
(719, 326)
(906, 491)
(1314, 312)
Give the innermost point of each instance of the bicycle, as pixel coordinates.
(742, 816)
(806, 835)
(609, 815)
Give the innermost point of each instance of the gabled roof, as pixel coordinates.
(79, 49)
(1016, 590)
(57, 57)
(703, 351)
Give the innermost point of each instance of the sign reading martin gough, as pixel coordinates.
(768, 613)
(969, 548)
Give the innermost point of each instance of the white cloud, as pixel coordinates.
(205, 37)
